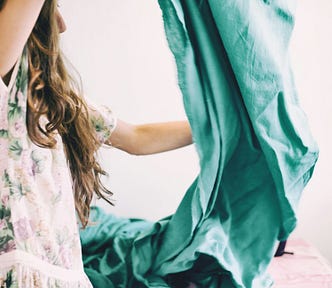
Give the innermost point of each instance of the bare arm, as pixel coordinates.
(17, 19)
(150, 138)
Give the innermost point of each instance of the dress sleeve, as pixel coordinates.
(3, 87)
(103, 120)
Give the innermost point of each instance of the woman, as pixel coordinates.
(45, 124)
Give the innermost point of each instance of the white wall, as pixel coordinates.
(119, 48)
(312, 60)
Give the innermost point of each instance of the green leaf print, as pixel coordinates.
(6, 179)
(38, 162)
(57, 198)
(57, 284)
(6, 229)
(98, 124)
(22, 75)
(15, 189)
(3, 133)
(9, 279)
(4, 212)
(6, 236)
(15, 149)
(18, 77)
(15, 111)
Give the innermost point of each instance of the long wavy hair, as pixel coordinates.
(53, 93)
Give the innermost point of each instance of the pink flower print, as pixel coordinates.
(8, 247)
(38, 162)
(26, 161)
(41, 229)
(3, 147)
(3, 155)
(48, 250)
(3, 141)
(3, 113)
(65, 256)
(22, 229)
(21, 99)
(34, 168)
(31, 197)
(4, 201)
(3, 122)
(3, 224)
(18, 128)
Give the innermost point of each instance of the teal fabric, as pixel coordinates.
(255, 149)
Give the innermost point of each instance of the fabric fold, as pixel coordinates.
(252, 138)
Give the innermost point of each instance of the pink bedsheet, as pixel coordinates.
(305, 269)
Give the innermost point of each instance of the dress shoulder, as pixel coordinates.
(19, 75)
(103, 120)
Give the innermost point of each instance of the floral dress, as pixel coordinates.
(39, 237)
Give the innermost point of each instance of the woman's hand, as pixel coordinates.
(150, 138)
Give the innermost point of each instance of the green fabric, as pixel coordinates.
(255, 149)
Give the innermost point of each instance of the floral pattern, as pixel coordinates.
(37, 210)
(103, 121)
(7, 243)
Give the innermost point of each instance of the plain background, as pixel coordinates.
(120, 51)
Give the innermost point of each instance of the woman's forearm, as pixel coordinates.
(151, 138)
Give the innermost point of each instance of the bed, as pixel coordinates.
(306, 268)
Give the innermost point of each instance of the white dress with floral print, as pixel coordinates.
(39, 239)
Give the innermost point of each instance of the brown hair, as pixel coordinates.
(53, 93)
